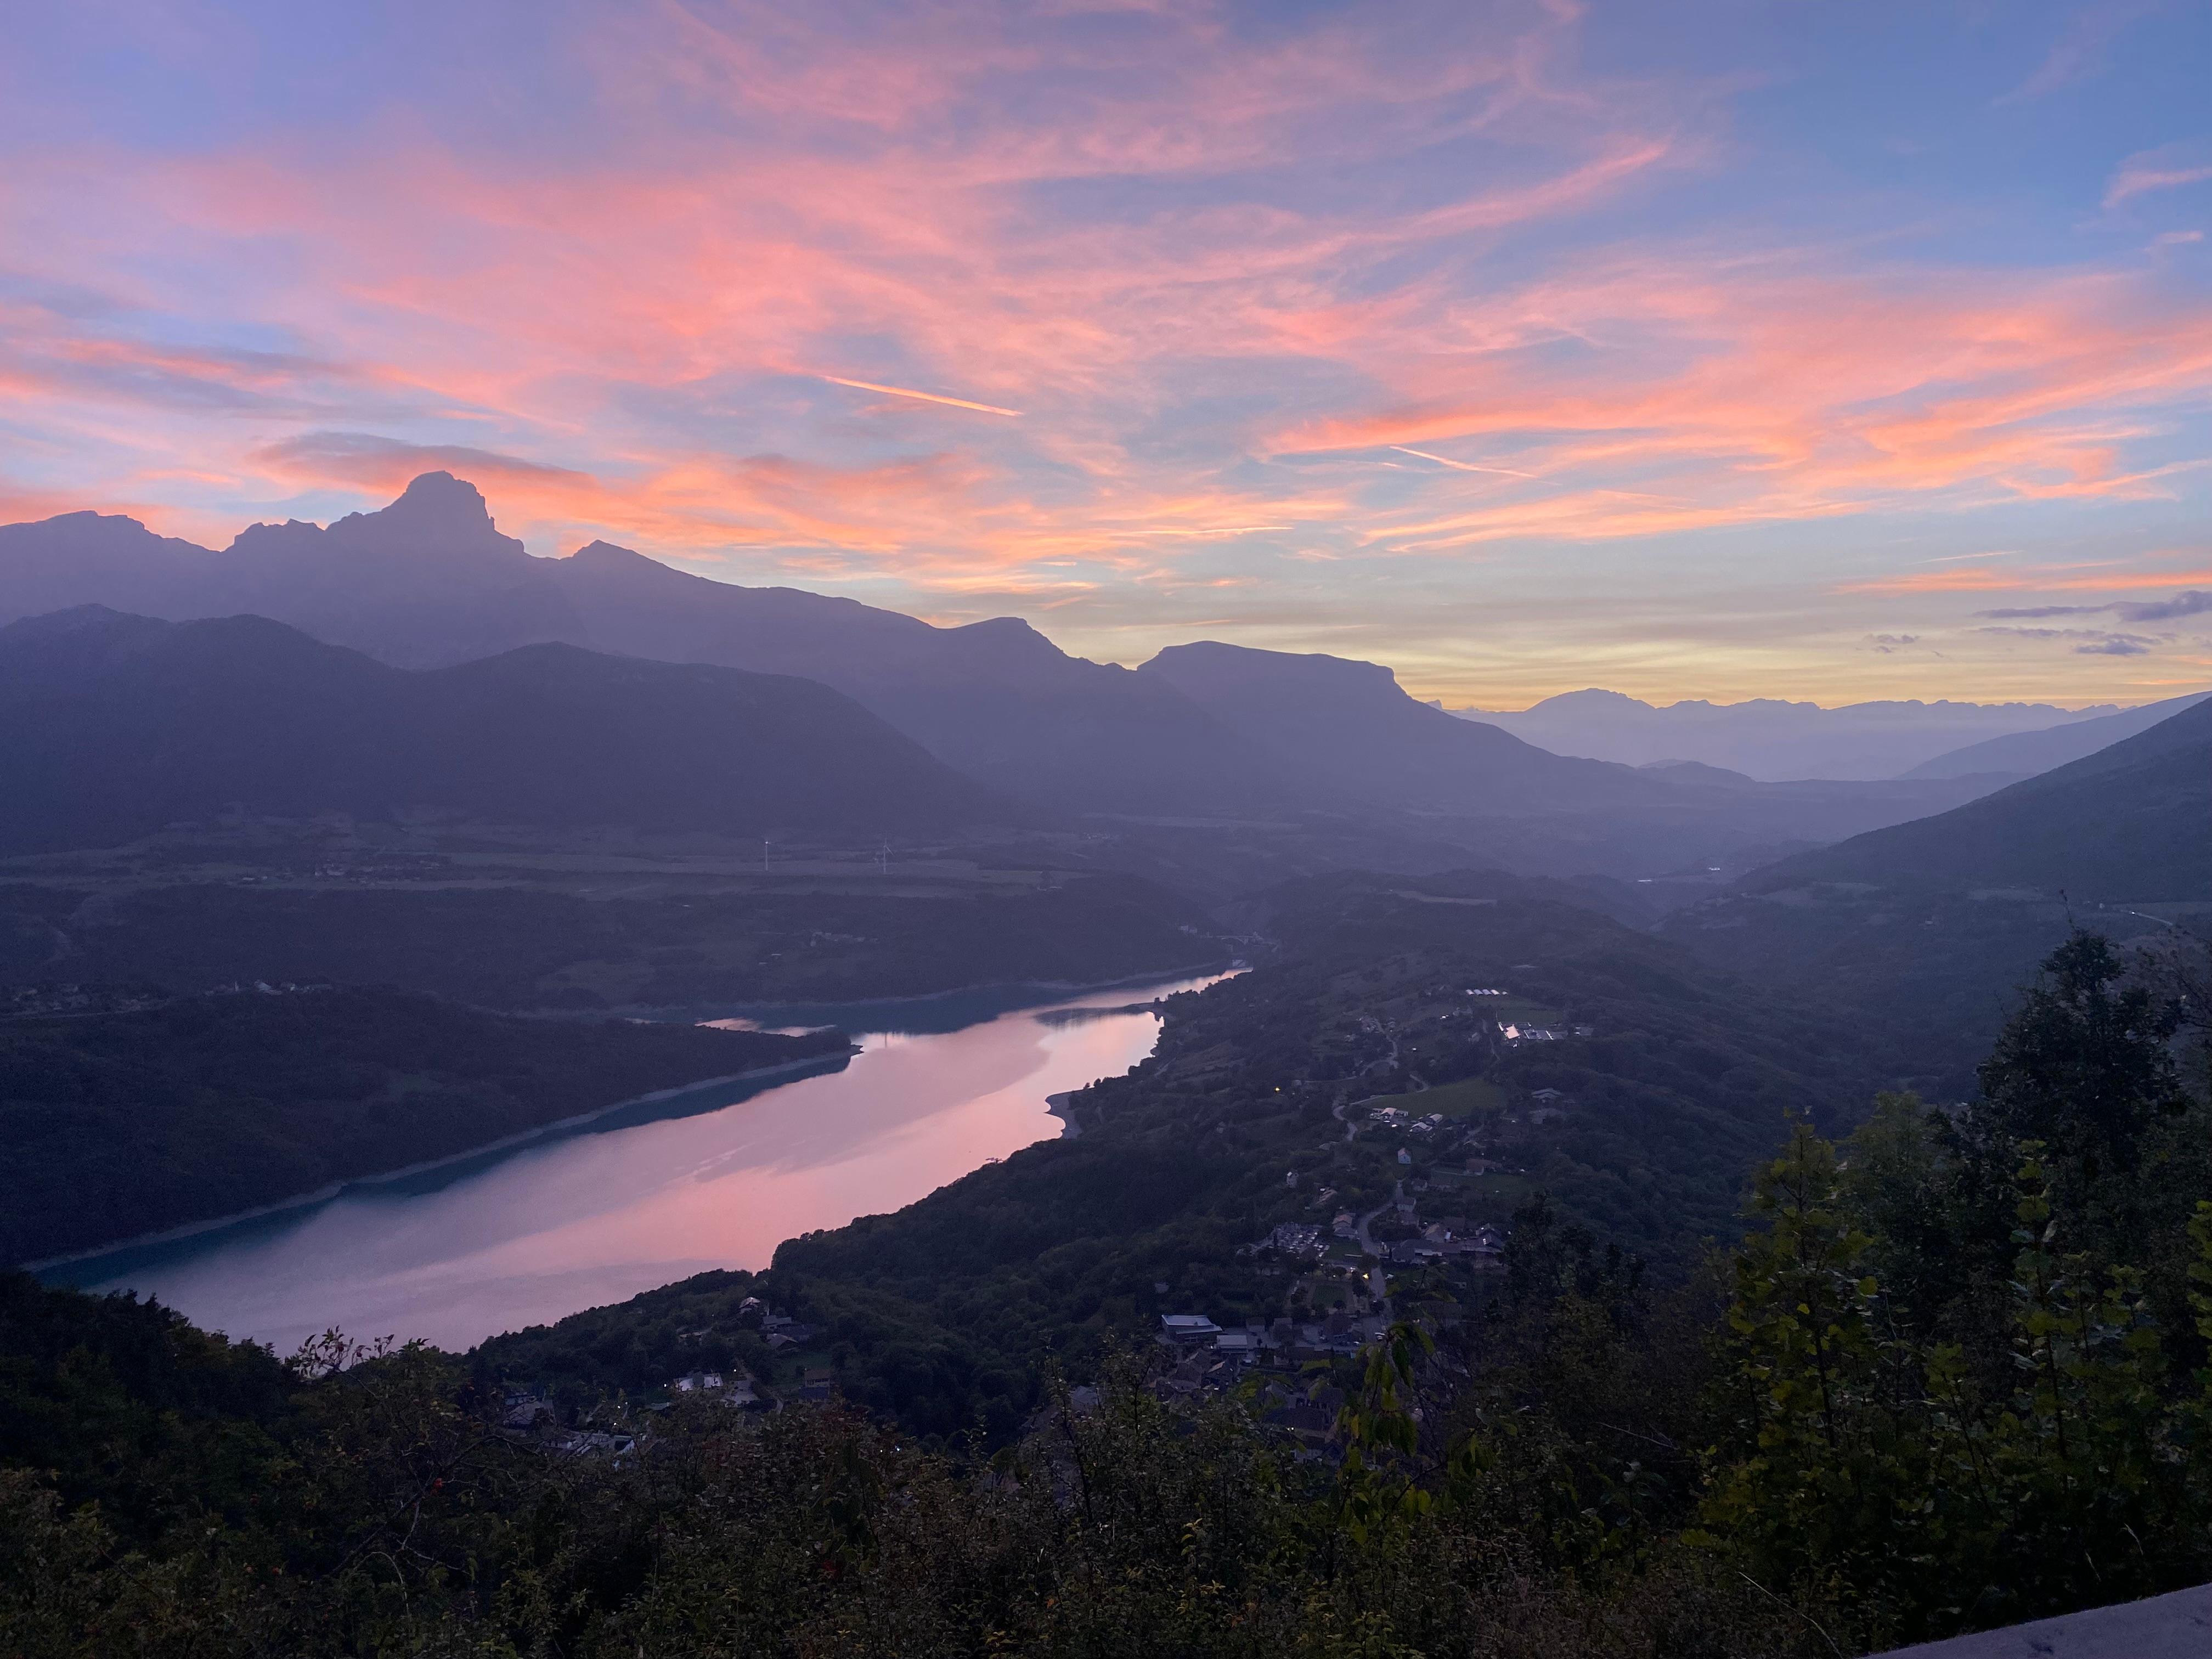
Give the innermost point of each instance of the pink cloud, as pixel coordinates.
(1107, 225)
(2168, 168)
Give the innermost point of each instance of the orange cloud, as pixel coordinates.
(1222, 275)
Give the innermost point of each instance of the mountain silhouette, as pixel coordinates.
(428, 581)
(1350, 733)
(112, 726)
(2027, 753)
(2132, 821)
(1770, 739)
(1204, 731)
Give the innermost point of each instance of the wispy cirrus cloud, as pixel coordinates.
(2078, 51)
(2170, 167)
(1395, 314)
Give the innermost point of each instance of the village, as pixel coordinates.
(1451, 1150)
(1409, 1125)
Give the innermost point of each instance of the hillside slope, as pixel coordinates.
(111, 726)
(119, 1124)
(2132, 821)
(1351, 737)
(2024, 754)
(1927, 930)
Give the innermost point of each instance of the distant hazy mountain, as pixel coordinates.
(1349, 737)
(2132, 821)
(1348, 731)
(1769, 739)
(1933, 926)
(429, 582)
(2027, 753)
(112, 726)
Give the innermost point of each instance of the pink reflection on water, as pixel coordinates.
(595, 1219)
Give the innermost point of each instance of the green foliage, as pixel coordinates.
(1977, 1446)
(1953, 1376)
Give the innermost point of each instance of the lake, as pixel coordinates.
(657, 1190)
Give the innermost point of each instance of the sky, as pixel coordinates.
(1723, 350)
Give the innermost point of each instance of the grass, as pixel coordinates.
(1461, 1099)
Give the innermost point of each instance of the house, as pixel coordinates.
(1546, 1096)
(1244, 1347)
(1346, 1225)
(1188, 1329)
(526, 1411)
(1405, 1156)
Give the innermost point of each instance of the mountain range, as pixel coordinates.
(113, 726)
(1208, 731)
(2027, 753)
(429, 582)
(1777, 741)
(2132, 821)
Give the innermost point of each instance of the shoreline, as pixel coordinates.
(1061, 1106)
(332, 1189)
(1049, 987)
(1069, 1129)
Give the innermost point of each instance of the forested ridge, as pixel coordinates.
(1954, 1374)
(118, 1123)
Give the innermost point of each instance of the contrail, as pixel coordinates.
(926, 396)
(1464, 466)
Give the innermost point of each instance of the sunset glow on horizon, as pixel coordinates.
(1741, 350)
